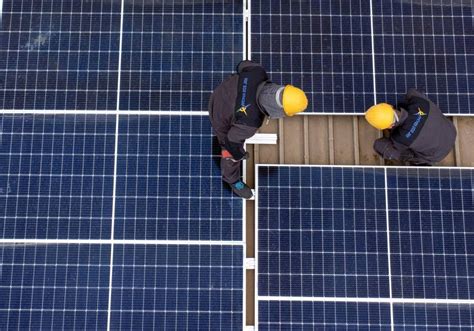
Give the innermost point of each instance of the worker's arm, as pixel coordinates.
(245, 65)
(390, 151)
(235, 140)
(414, 93)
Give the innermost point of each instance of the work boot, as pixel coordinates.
(242, 190)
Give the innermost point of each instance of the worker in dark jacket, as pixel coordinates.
(419, 132)
(237, 109)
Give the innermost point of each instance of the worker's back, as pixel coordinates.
(425, 131)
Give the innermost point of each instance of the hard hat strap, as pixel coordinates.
(277, 96)
(396, 117)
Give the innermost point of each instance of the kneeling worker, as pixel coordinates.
(237, 109)
(420, 134)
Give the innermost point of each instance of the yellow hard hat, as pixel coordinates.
(380, 116)
(294, 100)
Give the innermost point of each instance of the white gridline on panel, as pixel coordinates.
(391, 301)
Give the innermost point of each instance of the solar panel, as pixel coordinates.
(349, 54)
(322, 232)
(356, 242)
(322, 46)
(169, 287)
(54, 286)
(297, 315)
(176, 52)
(59, 54)
(168, 183)
(176, 230)
(428, 45)
(431, 214)
(434, 316)
(49, 286)
(56, 176)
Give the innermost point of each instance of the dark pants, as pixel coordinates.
(230, 170)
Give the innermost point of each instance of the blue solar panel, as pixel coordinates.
(433, 317)
(428, 45)
(176, 52)
(335, 50)
(322, 235)
(56, 176)
(322, 232)
(177, 288)
(54, 286)
(321, 46)
(168, 183)
(59, 54)
(296, 315)
(431, 215)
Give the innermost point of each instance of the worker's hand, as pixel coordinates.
(226, 155)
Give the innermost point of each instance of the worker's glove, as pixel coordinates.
(226, 155)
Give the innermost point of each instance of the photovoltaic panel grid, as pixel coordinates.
(56, 176)
(428, 45)
(59, 54)
(49, 286)
(176, 52)
(323, 47)
(348, 55)
(63, 54)
(365, 247)
(177, 287)
(169, 185)
(176, 230)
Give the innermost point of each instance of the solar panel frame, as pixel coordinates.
(464, 307)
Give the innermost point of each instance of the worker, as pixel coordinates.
(237, 109)
(418, 132)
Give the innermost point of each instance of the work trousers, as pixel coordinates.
(230, 170)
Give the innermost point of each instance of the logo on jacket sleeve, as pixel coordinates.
(243, 109)
(415, 124)
(421, 112)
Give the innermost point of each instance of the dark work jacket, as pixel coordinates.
(234, 110)
(422, 136)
